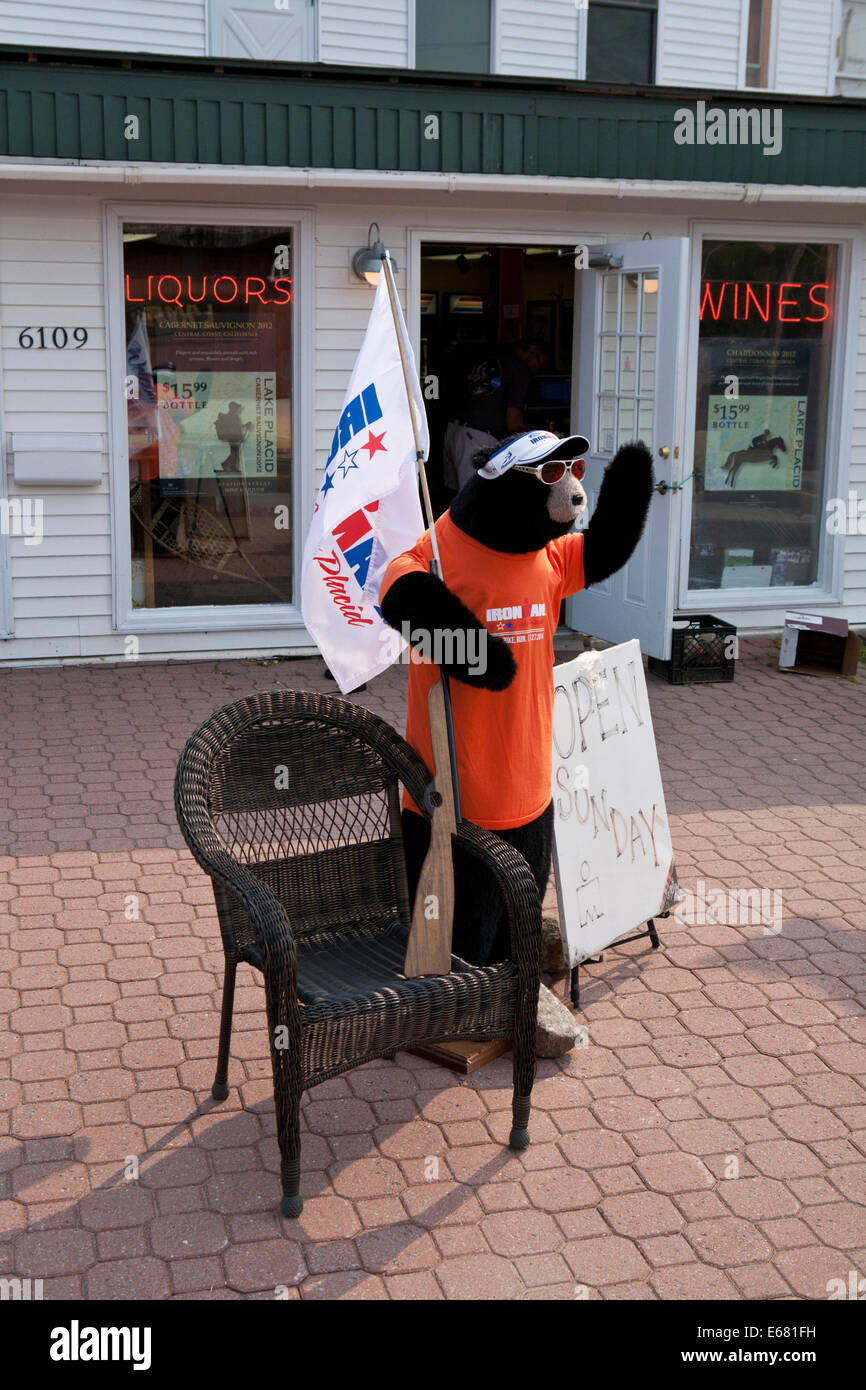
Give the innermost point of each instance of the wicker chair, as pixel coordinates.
(289, 801)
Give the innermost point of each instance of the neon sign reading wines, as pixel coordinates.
(745, 300)
(193, 289)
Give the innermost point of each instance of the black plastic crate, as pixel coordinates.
(698, 652)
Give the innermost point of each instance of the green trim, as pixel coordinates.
(70, 107)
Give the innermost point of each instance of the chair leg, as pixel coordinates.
(288, 1087)
(288, 1107)
(292, 1203)
(523, 1052)
(519, 1136)
(220, 1089)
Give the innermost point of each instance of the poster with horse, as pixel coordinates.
(757, 415)
(755, 444)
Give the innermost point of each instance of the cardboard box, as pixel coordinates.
(813, 645)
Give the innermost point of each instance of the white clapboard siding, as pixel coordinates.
(805, 42)
(131, 26)
(343, 306)
(375, 32)
(51, 276)
(699, 43)
(72, 605)
(539, 38)
(85, 582)
(75, 552)
(79, 569)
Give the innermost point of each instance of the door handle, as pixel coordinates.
(664, 452)
(661, 488)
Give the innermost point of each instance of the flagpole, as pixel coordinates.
(419, 452)
(436, 564)
(428, 947)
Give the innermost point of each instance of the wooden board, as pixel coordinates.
(428, 951)
(464, 1057)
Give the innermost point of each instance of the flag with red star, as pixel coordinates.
(367, 510)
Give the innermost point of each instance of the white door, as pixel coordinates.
(274, 30)
(630, 374)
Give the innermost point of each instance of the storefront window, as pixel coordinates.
(209, 398)
(766, 321)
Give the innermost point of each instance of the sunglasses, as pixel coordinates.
(552, 472)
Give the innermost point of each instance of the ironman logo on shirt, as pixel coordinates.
(515, 624)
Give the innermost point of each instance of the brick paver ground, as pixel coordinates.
(707, 1142)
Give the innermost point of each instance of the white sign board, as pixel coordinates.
(612, 841)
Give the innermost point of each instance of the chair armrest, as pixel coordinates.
(519, 890)
(268, 917)
(271, 925)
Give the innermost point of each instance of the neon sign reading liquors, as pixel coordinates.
(183, 290)
(743, 301)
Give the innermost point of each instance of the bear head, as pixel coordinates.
(516, 512)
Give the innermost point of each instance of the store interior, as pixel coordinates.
(479, 300)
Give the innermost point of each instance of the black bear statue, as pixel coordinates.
(509, 555)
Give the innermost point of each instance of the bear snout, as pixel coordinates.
(566, 501)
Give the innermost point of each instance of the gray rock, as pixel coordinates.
(552, 957)
(556, 1031)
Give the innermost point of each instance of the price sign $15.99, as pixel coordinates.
(59, 337)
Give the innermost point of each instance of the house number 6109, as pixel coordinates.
(60, 337)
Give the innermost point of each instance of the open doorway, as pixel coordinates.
(497, 333)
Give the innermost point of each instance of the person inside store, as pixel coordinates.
(490, 403)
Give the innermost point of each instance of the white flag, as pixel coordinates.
(367, 510)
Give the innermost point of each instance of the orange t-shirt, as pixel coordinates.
(504, 738)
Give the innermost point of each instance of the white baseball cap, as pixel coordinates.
(536, 446)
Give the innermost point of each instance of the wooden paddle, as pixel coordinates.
(428, 951)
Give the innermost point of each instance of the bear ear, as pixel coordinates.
(480, 457)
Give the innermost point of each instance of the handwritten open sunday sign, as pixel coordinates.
(612, 842)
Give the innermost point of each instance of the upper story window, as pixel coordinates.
(452, 35)
(758, 43)
(621, 41)
(852, 42)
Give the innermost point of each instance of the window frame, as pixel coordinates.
(654, 9)
(829, 586)
(839, 70)
(771, 31)
(211, 617)
(493, 43)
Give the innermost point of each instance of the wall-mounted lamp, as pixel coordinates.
(367, 263)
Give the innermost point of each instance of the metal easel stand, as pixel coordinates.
(622, 941)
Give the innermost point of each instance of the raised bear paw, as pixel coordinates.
(617, 522)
